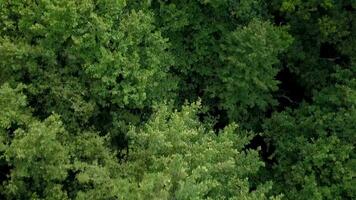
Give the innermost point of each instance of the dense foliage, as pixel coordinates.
(177, 99)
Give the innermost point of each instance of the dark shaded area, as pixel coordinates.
(71, 184)
(349, 7)
(290, 93)
(264, 147)
(329, 52)
(222, 119)
(102, 120)
(11, 130)
(279, 18)
(121, 143)
(36, 102)
(4, 171)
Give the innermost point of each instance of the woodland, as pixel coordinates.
(177, 99)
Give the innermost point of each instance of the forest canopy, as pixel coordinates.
(177, 99)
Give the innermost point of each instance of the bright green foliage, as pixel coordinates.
(38, 158)
(79, 56)
(315, 144)
(175, 157)
(12, 103)
(13, 114)
(141, 69)
(48, 163)
(172, 156)
(40, 161)
(94, 168)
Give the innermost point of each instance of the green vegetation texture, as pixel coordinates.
(178, 99)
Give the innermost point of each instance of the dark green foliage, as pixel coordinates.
(324, 33)
(248, 79)
(97, 99)
(315, 144)
(226, 50)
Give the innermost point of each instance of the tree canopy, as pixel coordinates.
(177, 99)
